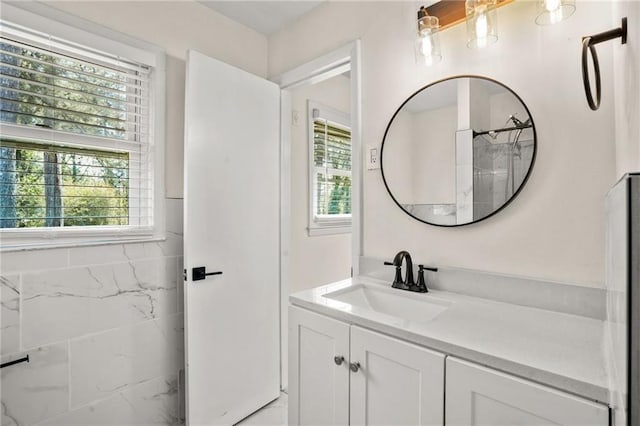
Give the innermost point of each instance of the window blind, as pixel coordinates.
(332, 162)
(56, 91)
(75, 137)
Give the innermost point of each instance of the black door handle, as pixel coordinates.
(200, 273)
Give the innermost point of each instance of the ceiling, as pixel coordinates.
(266, 17)
(440, 95)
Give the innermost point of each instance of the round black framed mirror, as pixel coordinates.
(458, 151)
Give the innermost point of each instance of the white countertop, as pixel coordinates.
(556, 349)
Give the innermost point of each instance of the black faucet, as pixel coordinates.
(398, 282)
(408, 283)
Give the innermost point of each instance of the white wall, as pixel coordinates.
(434, 156)
(177, 26)
(414, 176)
(555, 228)
(318, 259)
(479, 105)
(397, 158)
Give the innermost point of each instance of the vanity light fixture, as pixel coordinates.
(482, 23)
(427, 46)
(554, 11)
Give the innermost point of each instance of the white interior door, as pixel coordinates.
(232, 218)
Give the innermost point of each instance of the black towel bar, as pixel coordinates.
(588, 46)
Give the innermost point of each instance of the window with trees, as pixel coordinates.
(330, 200)
(74, 136)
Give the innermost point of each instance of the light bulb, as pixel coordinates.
(481, 23)
(552, 5)
(482, 30)
(427, 45)
(554, 11)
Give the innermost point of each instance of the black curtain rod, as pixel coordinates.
(17, 361)
(506, 129)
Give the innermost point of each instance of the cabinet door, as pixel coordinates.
(318, 386)
(397, 383)
(481, 396)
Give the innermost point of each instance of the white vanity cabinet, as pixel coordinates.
(382, 381)
(318, 386)
(480, 396)
(397, 383)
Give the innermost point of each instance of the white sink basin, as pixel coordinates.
(420, 307)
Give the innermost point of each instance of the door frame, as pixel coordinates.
(322, 68)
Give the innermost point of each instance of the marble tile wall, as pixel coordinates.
(103, 327)
(443, 214)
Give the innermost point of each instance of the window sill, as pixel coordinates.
(329, 230)
(51, 239)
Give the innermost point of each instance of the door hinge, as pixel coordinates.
(184, 274)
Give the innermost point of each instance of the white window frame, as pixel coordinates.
(338, 224)
(55, 24)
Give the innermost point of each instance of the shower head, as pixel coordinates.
(519, 123)
(516, 122)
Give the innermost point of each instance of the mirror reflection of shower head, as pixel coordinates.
(516, 122)
(519, 123)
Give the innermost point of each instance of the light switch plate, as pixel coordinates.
(373, 157)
